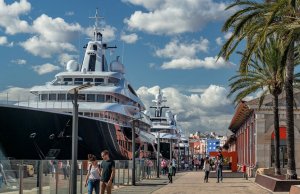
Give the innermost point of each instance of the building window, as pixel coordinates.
(61, 97)
(52, 97)
(90, 97)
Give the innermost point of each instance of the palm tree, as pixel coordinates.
(255, 22)
(265, 73)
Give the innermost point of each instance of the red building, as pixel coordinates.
(253, 134)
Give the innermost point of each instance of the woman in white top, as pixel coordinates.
(206, 168)
(93, 176)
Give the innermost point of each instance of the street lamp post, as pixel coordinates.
(158, 154)
(75, 91)
(74, 143)
(133, 152)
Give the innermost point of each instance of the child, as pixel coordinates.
(170, 173)
(206, 168)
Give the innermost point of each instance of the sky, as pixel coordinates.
(167, 44)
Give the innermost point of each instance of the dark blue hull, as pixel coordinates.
(32, 134)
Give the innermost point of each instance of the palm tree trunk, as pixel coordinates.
(291, 166)
(276, 134)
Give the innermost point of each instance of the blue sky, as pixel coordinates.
(167, 43)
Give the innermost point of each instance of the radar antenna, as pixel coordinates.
(97, 29)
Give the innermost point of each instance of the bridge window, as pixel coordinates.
(88, 80)
(81, 97)
(112, 80)
(100, 98)
(99, 81)
(78, 81)
(61, 97)
(68, 81)
(90, 97)
(44, 97)
(52, 97)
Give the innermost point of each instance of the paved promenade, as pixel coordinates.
(192, 183)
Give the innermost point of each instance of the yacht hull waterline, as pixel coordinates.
(32, 134)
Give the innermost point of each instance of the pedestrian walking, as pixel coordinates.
(206, 168)
(107, 172)
(149, 165)
(219, 167)
(92, 180)
(174, 166)
(65, 169)
(164, 166)
(170, 173)
(201, 162)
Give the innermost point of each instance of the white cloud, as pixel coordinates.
(226, 36)
(19, 61)
(55, 29)
(16, 94)
(44, 48)
(219, 41)
(175, 16)
(65, 57)
(147, 4)
(69, 13)
(177, 49)
(129, 38)
(209, 109)
(109, 33)
(10, 16)
(3, 40)
(190, 63)
(45, 68)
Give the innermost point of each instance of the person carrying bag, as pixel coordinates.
(92, 180)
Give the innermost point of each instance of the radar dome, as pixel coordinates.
(117, 66)
(72, 65)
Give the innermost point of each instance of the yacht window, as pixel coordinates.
(112, 80)
(100, 98)
(90, 97)
(81, 97)
(86, 80)
(68, 81)
(131, 90)
(87, 114)
(99, 81)
(78, 81)
(70, 96)
(44, 97)
(96, 114)
(61, 97)
(108, 98)
(94, 47)
(92, 63)
(52, 97)
(80, 113)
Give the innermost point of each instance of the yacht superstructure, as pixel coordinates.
(164, 127)
(108, 107)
